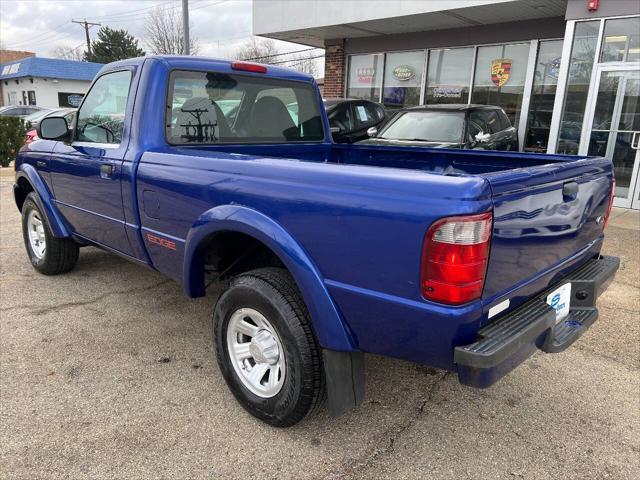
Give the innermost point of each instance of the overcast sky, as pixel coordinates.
(42, 25)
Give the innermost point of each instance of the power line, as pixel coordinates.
(280, 54)
(127, 16)
(45, 36)
(135, 12)
(298, 60)
(137, 15)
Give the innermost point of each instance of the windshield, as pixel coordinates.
(35, 116)
(426, 127)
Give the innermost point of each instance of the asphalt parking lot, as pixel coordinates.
(107, 372)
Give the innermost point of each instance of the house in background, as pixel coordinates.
(46, 82)
(7, 56)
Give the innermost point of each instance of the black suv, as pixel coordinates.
(351, 118)
(483, 127)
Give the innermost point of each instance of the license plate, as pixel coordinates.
(560, 301)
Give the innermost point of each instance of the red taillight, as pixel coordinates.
(249, 67)
(31, 136)
(611, 196)
(454, 258)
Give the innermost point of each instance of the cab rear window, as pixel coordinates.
(214, 107)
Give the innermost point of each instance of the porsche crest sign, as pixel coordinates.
(500, 71)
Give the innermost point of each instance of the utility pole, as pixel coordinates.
(185, 26)
(87, 26)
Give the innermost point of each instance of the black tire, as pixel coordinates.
(60, 255)
(273, 293)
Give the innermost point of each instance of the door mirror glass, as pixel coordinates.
(53, 128)
(372, 132)
(482, 137)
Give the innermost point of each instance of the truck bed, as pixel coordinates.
(439, 161)
(364, 225)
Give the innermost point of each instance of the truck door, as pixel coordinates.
(86, 174)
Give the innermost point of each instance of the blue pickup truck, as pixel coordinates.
(217, 171)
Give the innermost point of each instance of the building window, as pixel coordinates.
(449, 75)
(583, 52)
(403, 79)
(621, 42)
(499, 77)
(365, 76)
(545, 83)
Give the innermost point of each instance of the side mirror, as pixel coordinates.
(53, 128)
(482, 137)
(372, 132)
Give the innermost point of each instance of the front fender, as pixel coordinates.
(328, 325)
(54, 218)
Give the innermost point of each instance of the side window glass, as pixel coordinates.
(493, 121)
(101, 117)
(342, 118)
(373, 112)
(477, 123)
(504, 120)
(474, 129)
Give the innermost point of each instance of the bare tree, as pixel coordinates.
(164, 33)
(305, 62)
(68, 53)
(258, 50)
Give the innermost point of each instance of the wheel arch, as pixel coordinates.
(328, 325)
(28, 180)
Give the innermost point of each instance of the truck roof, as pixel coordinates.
(207, 63)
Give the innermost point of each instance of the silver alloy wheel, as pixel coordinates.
(35, 229)
(256, 352)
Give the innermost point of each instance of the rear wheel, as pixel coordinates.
(266, 349)
(48, 254)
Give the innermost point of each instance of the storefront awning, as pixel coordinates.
(281, 20)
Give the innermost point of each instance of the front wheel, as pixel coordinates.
(48, 254)
(266, 349)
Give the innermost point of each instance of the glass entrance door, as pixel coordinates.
(613, 121)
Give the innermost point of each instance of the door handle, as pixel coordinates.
(635, 141)
(106, 170)
(570, 190)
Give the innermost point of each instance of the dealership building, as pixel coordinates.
(566, 72)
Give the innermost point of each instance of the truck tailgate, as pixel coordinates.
(543, 216)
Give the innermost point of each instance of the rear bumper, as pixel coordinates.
(506, 342)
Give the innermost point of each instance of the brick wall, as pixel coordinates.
(334, 69)
(7, 56)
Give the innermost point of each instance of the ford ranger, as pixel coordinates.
(217, 171)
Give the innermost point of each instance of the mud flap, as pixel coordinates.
(344, 373)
